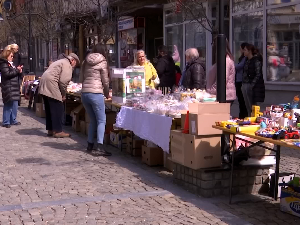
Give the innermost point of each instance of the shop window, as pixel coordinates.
(283, 43)
(171, 16)
(276, 2)
(174, 42)
(195, 37)
(242, 5)
(247, 28)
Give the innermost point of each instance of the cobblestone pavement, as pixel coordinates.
(54, 181)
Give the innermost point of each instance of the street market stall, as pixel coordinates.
(278, 125)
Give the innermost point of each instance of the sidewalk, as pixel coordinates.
(54, 181)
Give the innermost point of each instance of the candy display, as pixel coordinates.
(74, 87)
(153, 101)
(279, 122)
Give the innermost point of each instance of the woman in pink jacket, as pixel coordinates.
(211, 85)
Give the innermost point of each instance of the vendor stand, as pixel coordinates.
(277, 125)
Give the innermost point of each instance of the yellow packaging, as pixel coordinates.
(251, 119)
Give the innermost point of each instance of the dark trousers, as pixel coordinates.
(54, 112)
(242, 106)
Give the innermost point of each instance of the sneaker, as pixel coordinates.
(17, 124)
(6, 125)
(62, 135)
(101, 151)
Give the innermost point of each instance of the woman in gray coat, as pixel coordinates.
(95, 86)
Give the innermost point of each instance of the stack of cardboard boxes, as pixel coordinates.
(201, 148)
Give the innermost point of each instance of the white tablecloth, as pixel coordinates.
(148, 126)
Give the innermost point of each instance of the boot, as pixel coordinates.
(62, 135)
(90, 147)
(101, 151)
(50, 133)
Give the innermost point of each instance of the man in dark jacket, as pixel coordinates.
(165, 68)
(193, 76)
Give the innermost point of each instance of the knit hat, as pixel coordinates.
(74, 56)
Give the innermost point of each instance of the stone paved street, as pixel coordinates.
(54, 181)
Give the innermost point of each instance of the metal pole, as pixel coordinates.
(221, 57)
(117, 42)
(30, 39)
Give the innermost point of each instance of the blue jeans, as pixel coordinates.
(95, 106)
(10, 110)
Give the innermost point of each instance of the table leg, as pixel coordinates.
(232, 165)
(277, 171)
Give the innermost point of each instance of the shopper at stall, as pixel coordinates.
(239, 69)
(53, 88)
(10, 87)
(230, 74)
(193, 76)
(150, 71)
(95, 86)
(253, 87)
(165, 68)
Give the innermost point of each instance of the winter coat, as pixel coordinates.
(10, 84)
(17, 59)
(94, 74)
(194, 76)
(55, 79)
(165, 68)
(239, 69)
(230, 80)
(253, 75)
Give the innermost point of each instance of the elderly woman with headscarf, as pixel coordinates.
(193, 76)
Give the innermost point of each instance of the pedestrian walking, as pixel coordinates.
(94, 77)
(253, 87)
(10, 87)
(140, 59)
(165, 68)
(230, 75)
(53, 88)
(193, 76)
(239, 69)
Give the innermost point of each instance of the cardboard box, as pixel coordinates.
(290, 202)
(40, 110)
(202, 151)
(136, 146)
(202, 124)
(177, 146)
(118, 138)
(209, 108)
(196, 152)
(82, 127)
(77, 115)
(152, 156)
(183, 116)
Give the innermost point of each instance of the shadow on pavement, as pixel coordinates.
(33, 160)
(32, 132)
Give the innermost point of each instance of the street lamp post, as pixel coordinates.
(221, 57)
(30, 59)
